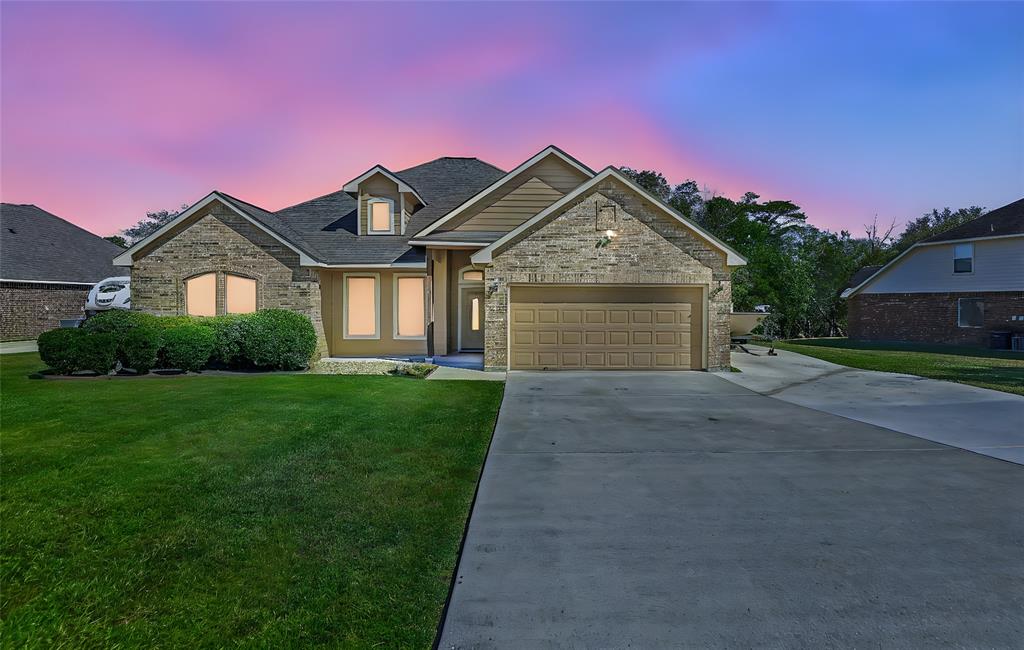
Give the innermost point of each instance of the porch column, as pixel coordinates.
(440, 300)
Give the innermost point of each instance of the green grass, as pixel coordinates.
(998, 370)
(265, 510)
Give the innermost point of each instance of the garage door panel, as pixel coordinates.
(601, 336)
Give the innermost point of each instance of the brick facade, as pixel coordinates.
(28, 309)
(930, 317)
(219, 240)
(649, 249)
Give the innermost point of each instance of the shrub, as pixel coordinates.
(188, 347)
(118, 321)
(59, 349)
(97, 351)
(277, 339)
(139, 349)
(228, 330)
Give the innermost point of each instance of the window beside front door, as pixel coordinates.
(970, 312)
(963, 258)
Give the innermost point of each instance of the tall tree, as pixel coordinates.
(151, 223)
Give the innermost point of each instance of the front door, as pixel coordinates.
(471, 318)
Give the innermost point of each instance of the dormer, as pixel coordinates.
(385, 201)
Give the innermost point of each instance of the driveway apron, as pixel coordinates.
(680, 510)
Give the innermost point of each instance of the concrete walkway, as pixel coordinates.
(977, 419)
(654, 510)
(15, 347)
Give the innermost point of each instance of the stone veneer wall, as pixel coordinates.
(221, 241)
(649, 249)
(28, 309)
(931, 317)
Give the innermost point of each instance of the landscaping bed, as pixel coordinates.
(993, 369)
(270, 510)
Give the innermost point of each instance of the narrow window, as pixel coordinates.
(409, 307)
(475, 321)
(970, 312)
(361, 316)
(473, 276)
(241, 294)
(963, 258)
(380, 215)
(201, 295)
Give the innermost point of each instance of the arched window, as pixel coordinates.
(240, 294)
(201, 295)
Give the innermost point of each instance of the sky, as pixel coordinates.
(850, 110)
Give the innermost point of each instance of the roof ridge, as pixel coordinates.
(434, 160)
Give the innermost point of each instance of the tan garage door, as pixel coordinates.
(604, 335)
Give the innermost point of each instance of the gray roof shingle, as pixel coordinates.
(326, 226)
(1007, 220)
(36, 245)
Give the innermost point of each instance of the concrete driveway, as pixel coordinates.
(681, 510)
(977, 419)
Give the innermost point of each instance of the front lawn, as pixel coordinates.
(993, 369)
(263, 510)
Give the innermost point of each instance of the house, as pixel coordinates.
(47, 266)
(955, 287)
(548, 266)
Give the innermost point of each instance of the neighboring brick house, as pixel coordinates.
(550, 265)
(47, 266)
(956, 287)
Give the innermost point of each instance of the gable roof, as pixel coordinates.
(266, 221)
(485, 255)
(550, 150)
(1007, 221)
(862, 274)
(37, 246)
(353, 185)
(1001, 222)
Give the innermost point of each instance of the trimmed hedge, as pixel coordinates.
(188, 347)
(277, 339)
(73, 350)
(269, 339)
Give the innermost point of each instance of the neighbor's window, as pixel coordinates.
(361, 308)
(241, 294)
(473, 276)
(410, 307)
(381, 214)
(963, 258)
(201, 295)
(970, 312)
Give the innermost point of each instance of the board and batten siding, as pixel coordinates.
(998, 266)
(521, 197)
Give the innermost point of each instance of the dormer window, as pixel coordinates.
(963, 258)
(381, 216)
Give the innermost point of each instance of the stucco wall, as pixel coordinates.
(649, 249)
(29, 309)
(219, 240)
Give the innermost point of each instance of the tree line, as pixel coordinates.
(796, 269)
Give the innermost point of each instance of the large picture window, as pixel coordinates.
(410, 307)
(240, 294)
(201, 295)
(362, 307)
